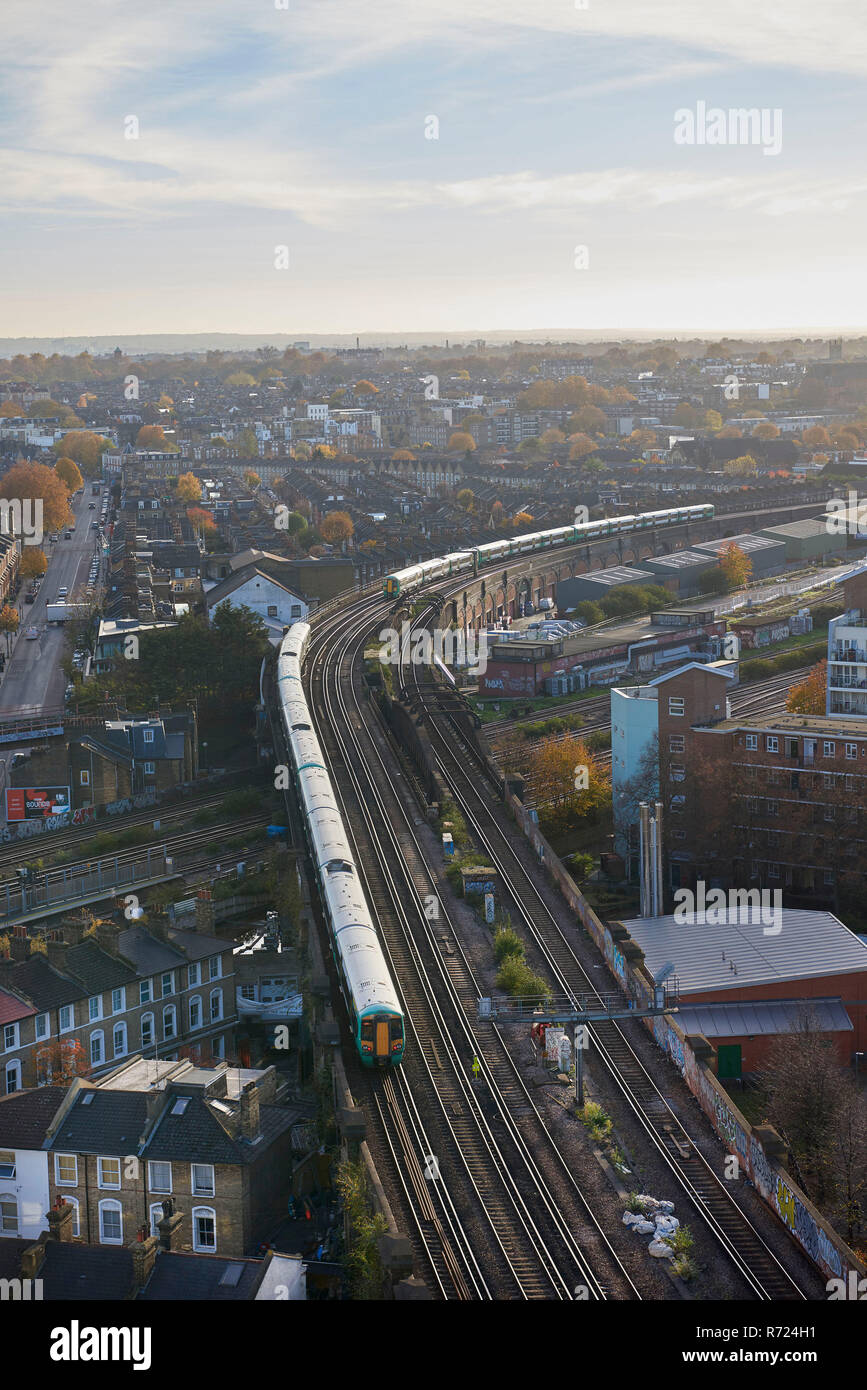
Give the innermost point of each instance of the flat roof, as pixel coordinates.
(805, 725)
(735, 953)
(753, 541)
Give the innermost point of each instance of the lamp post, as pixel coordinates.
(857, 1055)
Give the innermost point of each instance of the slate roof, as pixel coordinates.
(42, 984)
(197, 1136)
(111, 1123)
(227, 586)
(196, 1278)
(197, 945)
(26, 1115)
(95, 1272)
(97, 969)
(148, 954)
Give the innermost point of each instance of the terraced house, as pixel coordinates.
(205, 1147)
(89, 1001)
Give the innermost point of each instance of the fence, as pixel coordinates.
(100, 879)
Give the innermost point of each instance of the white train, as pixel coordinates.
(371, 998)
(482, 556)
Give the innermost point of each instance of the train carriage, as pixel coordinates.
(372, 1003)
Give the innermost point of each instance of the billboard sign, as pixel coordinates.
(36, 803)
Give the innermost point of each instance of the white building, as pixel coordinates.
(24, 1120)
(250, 587)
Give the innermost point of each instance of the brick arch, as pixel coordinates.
(645, 552)
(611, 559)
(628, 557)
(499, 598)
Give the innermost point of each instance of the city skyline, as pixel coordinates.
(555, 191)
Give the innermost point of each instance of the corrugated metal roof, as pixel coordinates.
(764, 1017)
(736, 951)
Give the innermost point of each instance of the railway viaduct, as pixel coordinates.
(496, 590)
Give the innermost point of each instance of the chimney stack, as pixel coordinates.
(56, 951)
(60, 1221)
(169, 1228)
(250, 1127)
(144, 1254)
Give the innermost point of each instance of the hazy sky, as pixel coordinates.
(305, 127)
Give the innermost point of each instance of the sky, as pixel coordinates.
(309, 127)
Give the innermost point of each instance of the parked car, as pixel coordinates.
(31, 634)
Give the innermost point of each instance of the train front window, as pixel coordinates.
(367, 1030)
(396, 1030)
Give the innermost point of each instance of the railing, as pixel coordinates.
(101, 879)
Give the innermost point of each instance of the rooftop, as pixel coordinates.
(736, 953)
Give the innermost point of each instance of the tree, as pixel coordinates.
(69, 473)
(804, 1086)
(766, 430)
(85, 448)
(33, 563)
(498, 513)
(252, 479)
(295, 524)
(549, 439)
(588, 420)
(713, 581)
(808, 697)
(816, 436)
(336, 527)
(201, 520)
(34, 482)
(686, 416)
(713, 420)
(730, 432)
(567, 782)
(735, 565)
(247, 444)
(240, 379)
(580, 446)
(743, 466)
(460, 440)
(465, 499)
(366, 388)
(8, 621)
(403, 456)
(189, 489)
(153, 437)
(522, 519)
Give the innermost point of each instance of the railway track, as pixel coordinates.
(530, 1250)
(762, 1272)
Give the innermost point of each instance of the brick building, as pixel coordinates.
(90, 1001)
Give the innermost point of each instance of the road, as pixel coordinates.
(33, 675)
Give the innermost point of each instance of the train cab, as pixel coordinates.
(381, 1038)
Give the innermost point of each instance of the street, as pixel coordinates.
(33, 675)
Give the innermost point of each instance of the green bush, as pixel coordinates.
(596, 1122)
(580, 865)
(507, 942)
(516, 977)
(589, 612)
(242, 802)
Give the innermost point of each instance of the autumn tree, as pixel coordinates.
(336, 527)
(33, 563)
(713, 420)
(588, 420)
(460, 440)
(580, 447)
(8, 621)
(743, 466)
(808, 697)
(69, 473)
(465, 499)
(816, 436)
(498, 513)
(766, 430)
(251, 479)
(153, 437)
(366, 388)
(201, 520)
(189, 489)
(85, 448)
(522, 519)
(567, 782)
(735, 565)
(34, 482)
